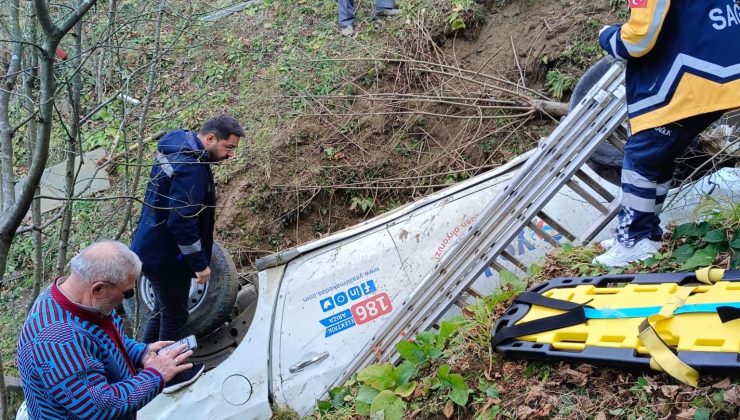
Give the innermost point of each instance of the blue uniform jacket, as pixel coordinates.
(177, 219)
(683, 59)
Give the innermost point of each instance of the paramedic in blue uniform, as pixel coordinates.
(683, 73)
(174, 237)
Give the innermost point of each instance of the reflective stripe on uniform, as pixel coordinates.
(190, 249)
(680, 64)
(634, 178)
(662, 189)
(645, 205)
(165, 164)
(613, 45)
(641, 31)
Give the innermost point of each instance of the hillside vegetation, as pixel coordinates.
(453, 373)
(341, 130)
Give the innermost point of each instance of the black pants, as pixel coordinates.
(171, 305)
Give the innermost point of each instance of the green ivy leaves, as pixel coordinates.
(456, 384)
(427, 345)
(700, 245)
(703, 242)
(382, 388)
(386, 405)
(380, 377)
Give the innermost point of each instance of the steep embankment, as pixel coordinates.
(404, 108)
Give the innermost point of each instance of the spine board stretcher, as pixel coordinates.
(681, 323)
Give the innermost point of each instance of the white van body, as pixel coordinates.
(319, 304)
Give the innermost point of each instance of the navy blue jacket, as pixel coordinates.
(683, 59)
(176, 225)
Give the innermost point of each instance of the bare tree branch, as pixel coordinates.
(44, 19)
(142, 118)
(6, 145)
(73, 18)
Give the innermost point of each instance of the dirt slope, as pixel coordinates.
(377, 140)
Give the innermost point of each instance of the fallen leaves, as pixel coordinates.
(686, 414)
(574, 376)
(732, 395)
(669, 391)
(449, 409)
(723, 384)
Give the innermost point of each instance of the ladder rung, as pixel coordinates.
(498, 267)
(541, 232)
(557, 226)
(471, 292)
(599, 224)
(510, 258)
(616, 141)
(583, 176)
(578, 189)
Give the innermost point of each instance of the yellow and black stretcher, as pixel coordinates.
(680, 323)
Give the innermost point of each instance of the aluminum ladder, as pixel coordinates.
(557, 161)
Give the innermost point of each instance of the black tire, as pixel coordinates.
(605, 155)
(211, 304)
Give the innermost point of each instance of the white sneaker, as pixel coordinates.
(348, 30)
(607, 244)
(621, 256)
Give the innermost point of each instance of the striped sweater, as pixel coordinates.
(76, 363)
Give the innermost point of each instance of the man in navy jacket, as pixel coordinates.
(683, 72)
(174, 238)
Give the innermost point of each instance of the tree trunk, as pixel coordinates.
(103, 66)
(7, 198)
(13, 215)
(29, 103)
(6, 143)
(71, 153)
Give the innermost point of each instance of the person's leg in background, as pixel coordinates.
(649, 157)
(347, 16)
(386, 8)
(171, 312)
(664, 182)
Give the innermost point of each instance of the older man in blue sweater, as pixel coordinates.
(74, 358)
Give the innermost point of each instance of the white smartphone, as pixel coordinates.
(189, 342)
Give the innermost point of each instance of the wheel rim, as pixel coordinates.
(196, 294)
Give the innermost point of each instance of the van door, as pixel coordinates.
(331, 302)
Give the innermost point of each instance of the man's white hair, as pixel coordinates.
(109, 261)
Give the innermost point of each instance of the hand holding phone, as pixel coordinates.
(189, 342)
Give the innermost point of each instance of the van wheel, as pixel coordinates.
(210, 304)
(606, 159)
